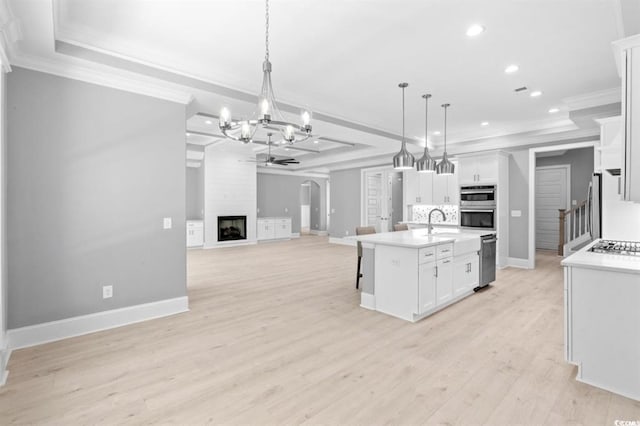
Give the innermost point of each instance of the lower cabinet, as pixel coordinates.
(195, 233)
(466, 273)
(427, 287)
(444, 281)
(269, 228)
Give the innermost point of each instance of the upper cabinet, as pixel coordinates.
(629, 67)
(608, 155)
(480, 169)
(430, 188)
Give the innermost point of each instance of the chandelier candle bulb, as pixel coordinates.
(245, 132)
(224, 118)
(306, 118)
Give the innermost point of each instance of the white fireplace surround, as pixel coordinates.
(230, 189)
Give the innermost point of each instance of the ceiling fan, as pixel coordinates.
(271, 160)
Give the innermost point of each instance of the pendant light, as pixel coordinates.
(445, 167)
(426, 164)
(403, 160)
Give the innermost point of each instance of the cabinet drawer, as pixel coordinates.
(427, 254)
(444, 250)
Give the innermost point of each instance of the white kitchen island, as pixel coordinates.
(415, 274)
(602, 320)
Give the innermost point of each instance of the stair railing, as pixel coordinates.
(573, 225)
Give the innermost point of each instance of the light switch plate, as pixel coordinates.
(166, 224)
(107, 291)
(516, 213)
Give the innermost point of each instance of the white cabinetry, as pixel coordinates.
(479, 169)
(608, 154)
(273, 228)
(414, 283)
(629, 67)
(466, 274)
(195, 233)
(430, 188)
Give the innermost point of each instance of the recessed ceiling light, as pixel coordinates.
(208, 122)
(511, 69)
(316, 141)
(484, 123)
(188, 134)
(475, 30)
(286, 149)
(535, 94)
(436, 133)
(554, 110)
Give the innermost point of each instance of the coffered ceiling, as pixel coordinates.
(344, 59)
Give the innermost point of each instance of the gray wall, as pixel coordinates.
(4, 276)
(345, 202)
(316, 212)
(92, 171)
(279, 192)
(581, 161)
(195, 193)
(519, 200)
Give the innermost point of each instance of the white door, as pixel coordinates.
(378, 200)
(551, 196)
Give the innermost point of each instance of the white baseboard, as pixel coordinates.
(516, 262)
(295, 235)
(343, 241)
(229, 244)
(319, 233)
(368, 301)
(77, 326)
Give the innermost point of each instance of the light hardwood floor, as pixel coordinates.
(275, 336)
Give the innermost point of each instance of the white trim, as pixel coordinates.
(266, 171)
(594, 99)
(5, 354)
(368, 301)
(343, 241)
(532, 190)
(295, 235)
(77, 326)
(516, 262)
(318, 233)
(102, 78)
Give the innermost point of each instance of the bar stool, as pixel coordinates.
(362, 230)
(400, 227)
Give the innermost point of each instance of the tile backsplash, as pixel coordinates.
(420, 213)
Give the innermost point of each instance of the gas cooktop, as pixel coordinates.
(628, 248)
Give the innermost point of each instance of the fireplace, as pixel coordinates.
(232, 228)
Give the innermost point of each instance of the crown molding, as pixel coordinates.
(594, 99)
(10, 33)
(266, 171)
(101, 77)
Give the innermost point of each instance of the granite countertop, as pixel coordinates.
(416, 238)
(607, 262)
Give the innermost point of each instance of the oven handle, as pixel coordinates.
(471, 191)
(477, 210)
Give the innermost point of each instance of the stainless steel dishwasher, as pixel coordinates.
(487, 260)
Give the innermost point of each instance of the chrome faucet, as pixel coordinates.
(430, 226)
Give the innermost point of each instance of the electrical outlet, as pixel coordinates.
(346, 232)
(107, 291)
(286, 210)
(333, 210)
(574, 202)
(166, 223)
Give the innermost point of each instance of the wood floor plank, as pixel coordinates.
(275, 335)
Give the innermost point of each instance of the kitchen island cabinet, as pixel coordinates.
(602, 320)
(415, 274)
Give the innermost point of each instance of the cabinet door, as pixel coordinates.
(467, 171)
(466, 274)
(440, 189)
(487, 169)
(426, 287)
(411, 187)
(261, 230)
(425, 185)
(444, 281)
(283, 228)
(453, 187)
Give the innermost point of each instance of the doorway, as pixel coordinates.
(310, 207)
(381, 203)
(553, 186)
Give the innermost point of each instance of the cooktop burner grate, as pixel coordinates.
(627, 248)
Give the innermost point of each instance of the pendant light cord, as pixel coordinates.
(445, 127)
(426, 118)
(266, 38)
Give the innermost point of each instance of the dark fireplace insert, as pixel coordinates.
(232, 228)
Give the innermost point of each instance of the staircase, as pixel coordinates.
(574, 228)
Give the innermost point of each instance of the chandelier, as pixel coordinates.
(267, 118)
